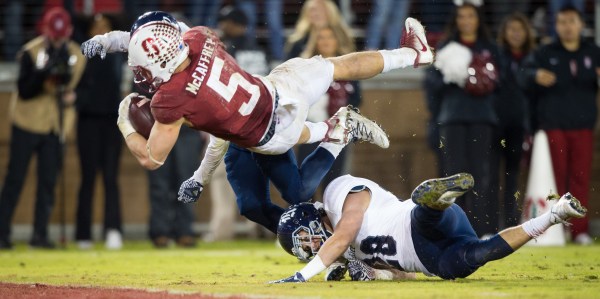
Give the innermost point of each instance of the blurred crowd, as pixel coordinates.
(504, 70)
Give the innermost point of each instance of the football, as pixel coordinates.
(140, 115)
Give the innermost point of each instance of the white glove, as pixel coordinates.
(453, 60)
(114, 41)
(123, 121)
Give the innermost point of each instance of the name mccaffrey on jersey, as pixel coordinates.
(202, 66)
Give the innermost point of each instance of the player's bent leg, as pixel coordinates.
(296, 184)
(414, 51)
(251, 188)
(439, 194)
(566, 208)
(476, 254)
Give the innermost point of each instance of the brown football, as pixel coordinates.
(140, 116)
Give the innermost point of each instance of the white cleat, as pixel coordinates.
(347, 124)
(566, 208)
(415, 39)
(338, 127)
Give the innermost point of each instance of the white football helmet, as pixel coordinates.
(156, 49)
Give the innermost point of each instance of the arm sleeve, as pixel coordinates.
(31, 80)
(116, 41)
(215, 151)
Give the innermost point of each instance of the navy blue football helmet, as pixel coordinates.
(301, 231)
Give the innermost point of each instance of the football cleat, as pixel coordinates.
(347, 124)
(338, 127)
(441, 193)
(565, 208)
(336, 271)
(415, 39)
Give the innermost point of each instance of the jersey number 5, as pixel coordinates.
(228, 91)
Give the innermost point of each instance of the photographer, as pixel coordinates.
(50, 65)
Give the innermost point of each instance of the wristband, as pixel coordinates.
(313, 268)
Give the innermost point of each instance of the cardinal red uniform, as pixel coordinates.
(215, 94)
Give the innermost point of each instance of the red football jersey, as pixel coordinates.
(215, 94)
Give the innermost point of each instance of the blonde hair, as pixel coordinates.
(345, 42)
(304, 27)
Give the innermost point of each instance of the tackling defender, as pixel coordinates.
(429, 234)
(199, 84)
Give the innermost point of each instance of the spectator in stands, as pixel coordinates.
(99, 141)
(169, 218)
(554, 6)
(387, 20)
(433, 15)
(18, 13)
(203, 12)
(566, 73)
(315, 14)
(50, 65)
(516, 40)
(330, 42)
(273, 10)
(501, 9)
(465, 114)
(233, 25)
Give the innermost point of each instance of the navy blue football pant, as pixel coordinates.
(447, 245)
(249, 174)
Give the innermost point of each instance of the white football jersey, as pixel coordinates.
(384, 239)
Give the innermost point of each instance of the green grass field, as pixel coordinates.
(244, 267)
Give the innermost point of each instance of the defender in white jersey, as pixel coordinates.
(375, 230)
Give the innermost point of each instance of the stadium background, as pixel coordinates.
(395, 100)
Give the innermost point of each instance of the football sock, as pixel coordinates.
(536, 226)
(333, 148)
(484, 251)
(317, 131)
(397, 58)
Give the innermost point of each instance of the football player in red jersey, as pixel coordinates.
(198, 84)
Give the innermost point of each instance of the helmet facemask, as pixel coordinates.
(308, 240)
(156, 49)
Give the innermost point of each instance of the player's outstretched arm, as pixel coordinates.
(346, 230)
(153, 152)
(190, 189)
(114, 41)
(111, 42)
